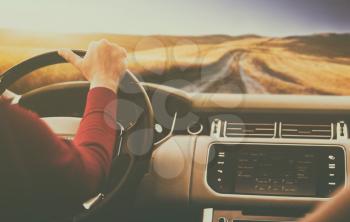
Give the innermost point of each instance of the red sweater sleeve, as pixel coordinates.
(47, 175)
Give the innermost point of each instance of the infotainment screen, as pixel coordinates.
(274, 171)
(312, 171)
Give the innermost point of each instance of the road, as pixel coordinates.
(252, 86)
(226, 76)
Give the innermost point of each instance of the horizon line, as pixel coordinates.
(37, 32)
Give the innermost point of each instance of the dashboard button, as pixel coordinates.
(331, 166)
(194, 128)
(331, 157)
(221, 154)
(158, 128)
(222, 219)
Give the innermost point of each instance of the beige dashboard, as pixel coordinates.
(185, 158)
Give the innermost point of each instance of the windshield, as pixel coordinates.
(226, 46)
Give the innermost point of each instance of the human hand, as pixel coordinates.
(103, 65)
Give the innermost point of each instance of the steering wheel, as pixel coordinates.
(134, 143)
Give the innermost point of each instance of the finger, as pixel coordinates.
(91, 49)
(124, 52)
(121, 50)
(70, 57)
(93, 44)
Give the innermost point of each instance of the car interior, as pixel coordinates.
(233, 111)
(204, 157)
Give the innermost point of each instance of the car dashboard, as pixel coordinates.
(234, 157)
(253, 157)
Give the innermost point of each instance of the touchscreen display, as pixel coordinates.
(283, 170)
(271, 171)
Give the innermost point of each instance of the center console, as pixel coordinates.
(248, 179)
(280, 171)
(275, 170)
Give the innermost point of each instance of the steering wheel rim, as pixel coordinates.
(138, 162)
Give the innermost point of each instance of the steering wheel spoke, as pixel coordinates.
(13, 97)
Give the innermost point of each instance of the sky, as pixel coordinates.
(178, 17)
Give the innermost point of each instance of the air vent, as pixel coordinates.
(260, 130)
(307, 131)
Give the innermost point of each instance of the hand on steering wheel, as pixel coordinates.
(140, 137)
(103, 64)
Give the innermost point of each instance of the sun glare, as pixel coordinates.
(176, 17)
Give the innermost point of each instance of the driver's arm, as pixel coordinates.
(46, 174)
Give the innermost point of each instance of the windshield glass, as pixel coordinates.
(226, 46)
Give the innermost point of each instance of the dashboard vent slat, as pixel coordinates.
(306, 131)
(260, 130)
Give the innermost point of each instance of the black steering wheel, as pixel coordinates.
(134, 143)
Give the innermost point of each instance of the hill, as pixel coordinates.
(315, 64)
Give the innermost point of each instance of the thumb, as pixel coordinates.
(71, 57)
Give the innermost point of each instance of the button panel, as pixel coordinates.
(279, 170)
